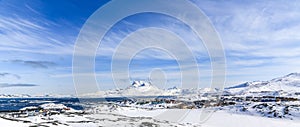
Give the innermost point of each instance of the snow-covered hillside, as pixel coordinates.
(288, 85)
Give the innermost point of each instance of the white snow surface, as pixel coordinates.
(140, 117)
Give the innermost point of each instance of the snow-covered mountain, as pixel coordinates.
(142, 88)
(137, 88)
(140, 84)
(288, 85)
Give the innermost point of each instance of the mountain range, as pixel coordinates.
(288, 85)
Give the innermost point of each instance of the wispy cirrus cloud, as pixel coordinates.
(24, 35)
(25, 28)
(39, 35)
(262, 36)
(257, 35)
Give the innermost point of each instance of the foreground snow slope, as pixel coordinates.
(9, 123)
(225, 119)
(218, 119)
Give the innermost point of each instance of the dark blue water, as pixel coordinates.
(14, 104)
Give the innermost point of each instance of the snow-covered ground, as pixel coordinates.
(225, 119)
(107, 119)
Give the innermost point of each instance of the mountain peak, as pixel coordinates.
(140, 83)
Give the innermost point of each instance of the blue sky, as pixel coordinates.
(260, 38)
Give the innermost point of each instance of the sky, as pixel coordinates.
(37, 38)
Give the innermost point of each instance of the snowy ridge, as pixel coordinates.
(288, 85)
